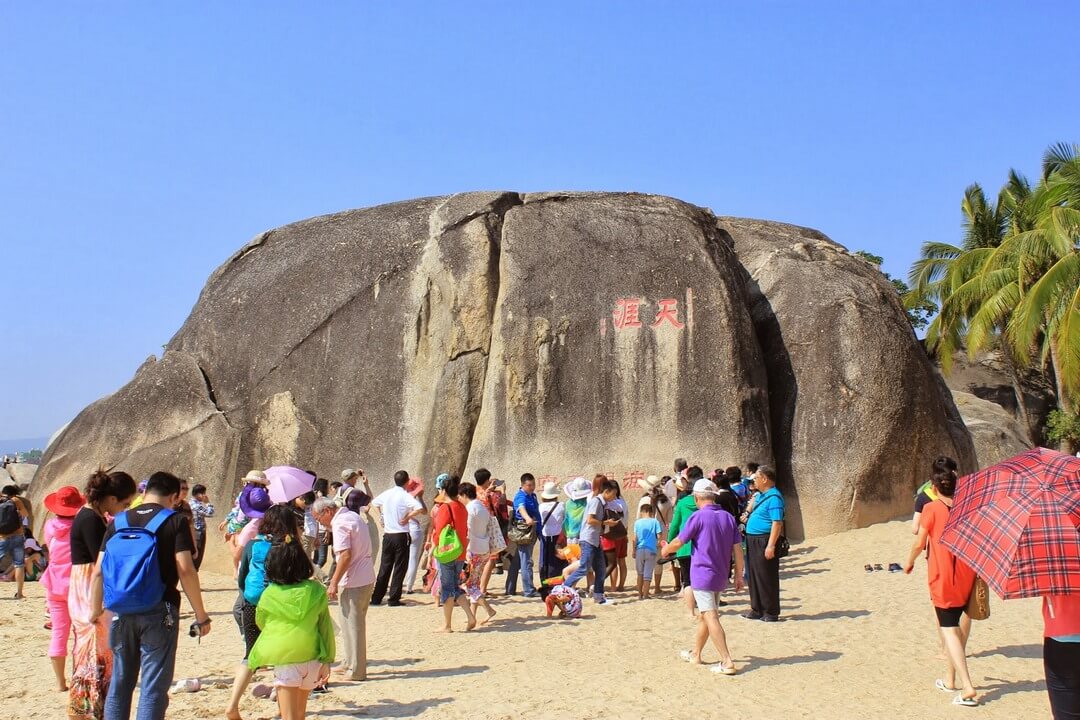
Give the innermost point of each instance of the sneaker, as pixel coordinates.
(600, 600)
(770, 618)
(752, 615)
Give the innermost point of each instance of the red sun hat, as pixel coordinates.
(65, 502)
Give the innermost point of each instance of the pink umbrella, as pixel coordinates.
(288, 483)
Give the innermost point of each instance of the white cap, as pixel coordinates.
(705, 487)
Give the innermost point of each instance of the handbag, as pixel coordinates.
(616, 531)
(783, 547)
(521, 532)
(496, 541)
(978, 604)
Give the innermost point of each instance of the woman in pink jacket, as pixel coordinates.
(64, 503)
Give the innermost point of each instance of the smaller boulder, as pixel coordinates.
(997, 434)
(22, 472)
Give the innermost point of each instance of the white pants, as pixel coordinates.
(416, 546)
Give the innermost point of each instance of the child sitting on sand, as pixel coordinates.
(566, 599)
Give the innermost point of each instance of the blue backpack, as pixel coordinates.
(129, 570)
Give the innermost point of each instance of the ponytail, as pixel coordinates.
(103, 484)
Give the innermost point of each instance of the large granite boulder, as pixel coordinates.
(857, 413)
(555, 333)
(996, 433)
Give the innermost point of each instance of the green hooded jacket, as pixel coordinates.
(295, 624)
(683, 510)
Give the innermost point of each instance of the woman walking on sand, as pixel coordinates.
(479, 549)
(453, 514)
(106, 494)
(950, 583)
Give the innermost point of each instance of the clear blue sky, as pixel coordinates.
(141, 144)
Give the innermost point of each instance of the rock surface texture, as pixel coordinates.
(996, 433)
(559, 334)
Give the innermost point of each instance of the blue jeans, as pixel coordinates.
(14, 544)
(525, 567)
(146, 641)
(592, 558)
(449, 581)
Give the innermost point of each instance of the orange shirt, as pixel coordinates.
(950, 579)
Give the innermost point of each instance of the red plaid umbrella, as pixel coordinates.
(1017, 524)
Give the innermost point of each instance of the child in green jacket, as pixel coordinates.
(297, 636)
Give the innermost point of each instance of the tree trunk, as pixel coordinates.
(1064, 402)
(1018, 391)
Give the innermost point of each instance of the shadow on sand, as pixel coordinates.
(752, 662)
(990, 693)
(830, 615)
(1012, 651)
(384, 708)
(433, 673)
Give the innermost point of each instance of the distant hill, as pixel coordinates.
(10, 447)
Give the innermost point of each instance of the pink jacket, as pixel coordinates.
(57, 575)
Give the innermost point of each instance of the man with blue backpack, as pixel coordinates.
(147, 551)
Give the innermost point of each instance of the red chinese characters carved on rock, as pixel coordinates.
(627, 314)
(668, 311)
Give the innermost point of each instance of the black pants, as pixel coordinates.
(551, 565)
(764, 577)
(200, 546)
(1061, 661)
(395, 559)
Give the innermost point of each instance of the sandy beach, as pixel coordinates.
(852, 645)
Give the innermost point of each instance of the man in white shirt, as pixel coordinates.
(397, 508)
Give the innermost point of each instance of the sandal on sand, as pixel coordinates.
(966, 702)
(940, 685)
(686, 655)
(721, 669)
(868, 568)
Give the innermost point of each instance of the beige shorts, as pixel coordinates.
(303, 675)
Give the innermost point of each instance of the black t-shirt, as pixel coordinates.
(921, 501)
(87, 532)
(172, 537)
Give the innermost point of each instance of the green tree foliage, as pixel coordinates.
(918, 314)
(1013, 282)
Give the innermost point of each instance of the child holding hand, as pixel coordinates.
(297, 636)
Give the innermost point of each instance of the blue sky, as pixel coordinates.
(140, 144)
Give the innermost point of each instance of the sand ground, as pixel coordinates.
(853, 645)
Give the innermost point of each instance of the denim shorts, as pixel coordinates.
(14, 544)
(450, 580)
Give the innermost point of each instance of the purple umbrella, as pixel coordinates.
(287, 482)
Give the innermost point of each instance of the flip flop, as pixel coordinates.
(966, 702)
(868, 568)
(895, 567)
(686, 655)
(877, 566)
(720, 669)
(940, 685)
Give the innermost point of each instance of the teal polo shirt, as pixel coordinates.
(768, 508)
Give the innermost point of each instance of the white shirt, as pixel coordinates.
(478, 527)
(553, 524)
(395, 504)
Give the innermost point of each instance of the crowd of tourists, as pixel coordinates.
(119, 554)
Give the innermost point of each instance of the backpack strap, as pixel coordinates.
(158, 520)
(120, 522)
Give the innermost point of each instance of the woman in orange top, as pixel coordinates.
(454, 513)
(950, 582)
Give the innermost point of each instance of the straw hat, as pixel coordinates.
(682, 483)
(550, 491)
(65, 502)
(649, 483)
(256, 476)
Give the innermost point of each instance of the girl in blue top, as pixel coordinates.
(279, 521)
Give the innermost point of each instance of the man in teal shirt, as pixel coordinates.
(763, 529)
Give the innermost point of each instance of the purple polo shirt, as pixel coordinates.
(714, 534)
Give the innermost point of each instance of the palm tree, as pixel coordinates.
(975, 297)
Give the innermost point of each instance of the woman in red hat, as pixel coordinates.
(64, 504)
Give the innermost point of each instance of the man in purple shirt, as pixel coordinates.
(715, 538)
